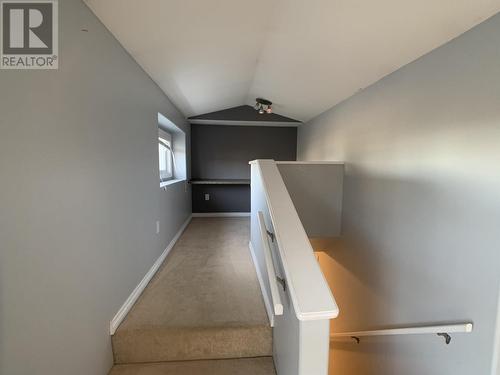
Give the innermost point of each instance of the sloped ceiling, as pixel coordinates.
(304, 55)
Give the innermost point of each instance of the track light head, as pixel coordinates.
(263, 106)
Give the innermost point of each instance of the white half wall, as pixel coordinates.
(421, 209)
(79, 199)
(301, 333)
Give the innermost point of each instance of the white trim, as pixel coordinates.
(164, 184)
(221, 214)
(245, 123)
(164, 135)
(132, 298)
(252, 162)
(256, 161)
(267, 303)
(495, 366)
(311, 162)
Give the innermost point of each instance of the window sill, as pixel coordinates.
(170, 182)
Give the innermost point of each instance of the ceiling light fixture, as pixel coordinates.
(263, 106)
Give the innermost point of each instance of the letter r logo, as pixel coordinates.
(27, 28)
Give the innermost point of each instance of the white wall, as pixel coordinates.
(421, 208)
(79, 198)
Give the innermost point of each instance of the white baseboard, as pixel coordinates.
(495, 367)
(267, 303)
(122, 313)
(221, 214)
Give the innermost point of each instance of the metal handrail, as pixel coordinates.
(440, 330)
(271, 272)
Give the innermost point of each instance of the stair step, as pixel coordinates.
(203, 303)
(161, 344)
(240, 366)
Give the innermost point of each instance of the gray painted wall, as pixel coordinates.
(223, 152)
(316, 192)
(421, 208)
(79, 199)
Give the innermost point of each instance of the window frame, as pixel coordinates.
(179, 150)
(165, 139)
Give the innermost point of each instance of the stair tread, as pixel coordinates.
(239, 366)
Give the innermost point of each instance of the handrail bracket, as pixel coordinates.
(447, 337)
(270, 234)
(282, 282)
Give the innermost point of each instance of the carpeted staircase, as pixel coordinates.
(242, 366)
(202, 313)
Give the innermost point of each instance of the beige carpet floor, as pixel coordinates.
(244, 366)
(204, 303)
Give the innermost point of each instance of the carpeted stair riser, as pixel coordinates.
(247, 366)
(162, 345)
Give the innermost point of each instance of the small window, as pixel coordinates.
(166, 156)
(171, 152)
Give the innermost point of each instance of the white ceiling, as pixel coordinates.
(304, 55)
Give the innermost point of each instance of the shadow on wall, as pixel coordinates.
(405, 259)
(421, 207)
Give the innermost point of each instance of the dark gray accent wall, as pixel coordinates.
(223, 198)
(243, 113)
(223, 152)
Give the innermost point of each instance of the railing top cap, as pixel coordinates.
(299, 162)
